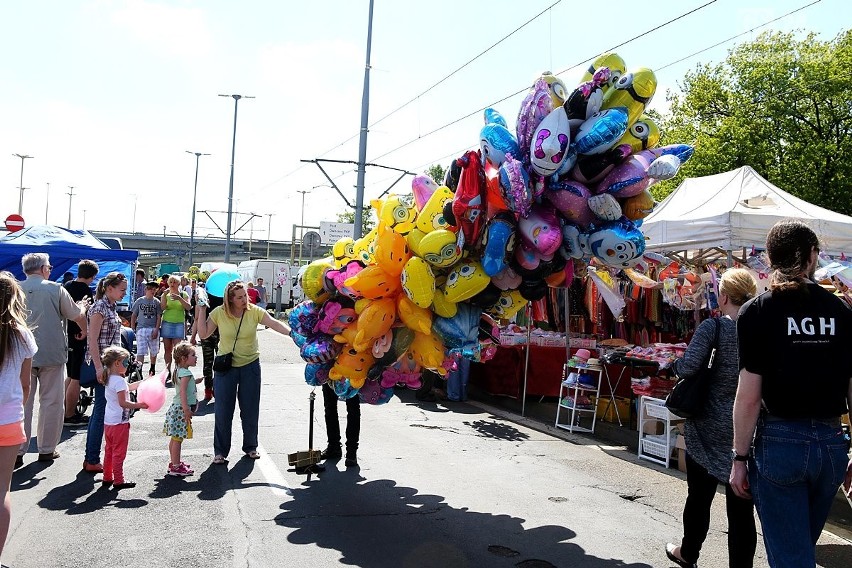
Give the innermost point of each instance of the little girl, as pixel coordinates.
(179, 416)
(117, 415)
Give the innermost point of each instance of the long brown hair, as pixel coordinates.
(13, 313)
(789, 245)
(111, 279)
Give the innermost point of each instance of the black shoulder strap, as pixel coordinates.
(244, 314)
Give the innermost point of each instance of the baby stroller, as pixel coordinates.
(134, 373)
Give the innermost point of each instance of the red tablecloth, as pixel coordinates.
(504, 374)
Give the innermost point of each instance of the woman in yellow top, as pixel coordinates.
(174, 302)
(237, 321)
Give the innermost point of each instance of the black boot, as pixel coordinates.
(351, 458)
(332, 452)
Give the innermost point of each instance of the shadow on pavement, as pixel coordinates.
(25, 477)
(378, 523)
(496, 430)
(212, 484)
(833, 555)
(64, 497)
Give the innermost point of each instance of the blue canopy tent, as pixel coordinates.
(66, 248)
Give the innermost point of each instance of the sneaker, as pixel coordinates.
(124, 485)
(179, 470)
(93, 467)
(332, 452)
(351, 460)
(48, 457)
(208, 394)
(76, 420)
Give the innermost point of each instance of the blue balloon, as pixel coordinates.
(217, 281)
(499, 243)
(460, 333)
(601, 131)
(316, 374)
(343, 389)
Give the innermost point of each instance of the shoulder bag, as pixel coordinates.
(690, 393)
(223, 363)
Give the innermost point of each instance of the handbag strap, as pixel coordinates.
(241, 325)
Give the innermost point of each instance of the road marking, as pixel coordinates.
(274, 478)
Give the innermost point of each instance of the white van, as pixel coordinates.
(275, 274)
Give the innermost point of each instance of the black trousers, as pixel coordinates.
(742, 536)
(209, 347)
(332, 424)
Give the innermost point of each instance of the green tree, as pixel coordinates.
(368, 220)
(437, 173)
(780, 105)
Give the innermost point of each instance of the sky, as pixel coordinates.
(109, 95)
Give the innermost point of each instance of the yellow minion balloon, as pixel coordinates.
(432, 215)
(558, 91)
(616, 66)
(363, 248)
(398, 213)
(312, 278)
(633, 91)
(418, 281)
(643, 134)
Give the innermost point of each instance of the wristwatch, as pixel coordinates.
(737, 457)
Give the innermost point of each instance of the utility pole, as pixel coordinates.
(46, 202)
(21, 195)
(362, 144)
(70, 197)
(231, 184)
(268, 234)
(194, 191)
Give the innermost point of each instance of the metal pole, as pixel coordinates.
(133, 226)
(303, 192)
(362, 144)
(46, 203)
(194, 192)
(231, 184)
(70, 197)
(21, 187)
(526, 358)
(268, 234)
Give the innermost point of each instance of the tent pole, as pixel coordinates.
(526, 358)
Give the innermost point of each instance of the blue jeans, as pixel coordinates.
(238, 384)
(797, 468)
(457, 380)
(95, 432)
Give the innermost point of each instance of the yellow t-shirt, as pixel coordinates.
(246, 350)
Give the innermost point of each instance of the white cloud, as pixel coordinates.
(172, 30)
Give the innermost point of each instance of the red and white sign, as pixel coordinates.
(14, 223)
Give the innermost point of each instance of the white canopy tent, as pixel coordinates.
(733, 211)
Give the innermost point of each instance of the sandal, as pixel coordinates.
(253, 455)
(219, 460)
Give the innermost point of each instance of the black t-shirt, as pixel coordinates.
(78, 291)
(799, 344)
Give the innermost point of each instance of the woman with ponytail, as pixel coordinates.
(104, 331)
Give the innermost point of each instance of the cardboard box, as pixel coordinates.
(654, 427)
(606, 409)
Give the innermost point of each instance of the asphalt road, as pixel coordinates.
(443, 485)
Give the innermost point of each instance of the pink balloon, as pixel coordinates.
(153, 392)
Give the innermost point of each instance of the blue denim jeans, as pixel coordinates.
(95, 432)
(794, 476)
(239, 384)
(457, 381)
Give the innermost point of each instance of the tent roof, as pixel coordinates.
(66, 248)
(735, 210)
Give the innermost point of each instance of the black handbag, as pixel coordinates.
(223, 363)
(690, 393)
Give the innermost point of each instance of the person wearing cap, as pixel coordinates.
(789, 452)
(147, 314)
(709, 436)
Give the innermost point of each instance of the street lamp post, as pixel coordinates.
(303, 192)
(21, 187)
(70, 197)
(268, 233)
(231, 184)
(194, 191)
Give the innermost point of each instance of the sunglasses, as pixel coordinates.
(126, 362)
